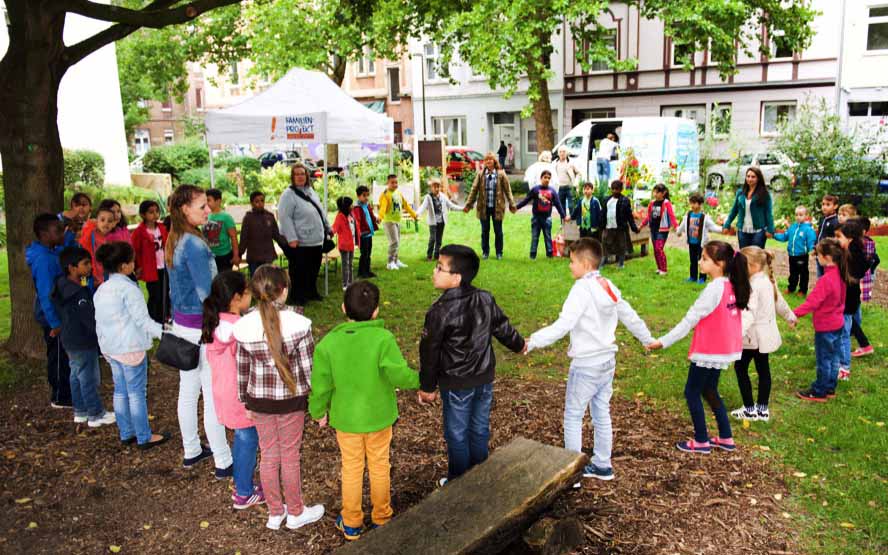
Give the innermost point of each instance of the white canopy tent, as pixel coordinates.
(303, 107)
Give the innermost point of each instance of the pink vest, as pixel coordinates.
(721, 332)
(222, 357)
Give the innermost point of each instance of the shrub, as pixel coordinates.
(122, 194)
(84, 167)
(201, 178)
(176, 159)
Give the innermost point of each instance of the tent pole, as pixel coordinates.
(327, 261)
(392, 158)
(212, 169)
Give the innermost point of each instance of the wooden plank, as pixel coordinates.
(484, 510)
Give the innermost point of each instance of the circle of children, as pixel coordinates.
(260, 370)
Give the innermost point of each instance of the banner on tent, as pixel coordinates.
(303, 127)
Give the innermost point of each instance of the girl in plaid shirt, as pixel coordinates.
(274, 354)
(866, 286)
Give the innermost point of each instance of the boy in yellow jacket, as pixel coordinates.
(391, 203)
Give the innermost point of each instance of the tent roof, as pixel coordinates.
(303, 106)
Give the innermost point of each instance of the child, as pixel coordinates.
(587, 213)
(827, 302)
(76, 216)
(697, 225)
(74, 305)
(358, 367)
(850, 237)
(274, 349)
(866, 286)
(760, 333)
(590, 314)
(148, 241)
(543, 197)
(437, 204)
(391, 203)
(800, 239)
(827, 227)
(367, 224)
(121, 229)
(717, 341)
(125, 332)
(221, 233)
(618, 221)
(661, 219)
(456, 355)
(229, 298)
(259, 233)
(96, 235)
(846, 212)
(42, 257)
(346, 232)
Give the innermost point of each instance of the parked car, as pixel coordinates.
(269, 159)
(460, 158)
(775, 166)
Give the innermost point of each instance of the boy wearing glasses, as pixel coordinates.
(456, 356)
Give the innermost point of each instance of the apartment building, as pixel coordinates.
(386, 87)
(863, 95)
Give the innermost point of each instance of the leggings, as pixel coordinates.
(762, 368)
(659, 250)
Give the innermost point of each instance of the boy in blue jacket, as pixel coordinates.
(42, 257)
(543, 197)
(800, 239)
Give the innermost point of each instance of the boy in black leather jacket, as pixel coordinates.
(456, 356)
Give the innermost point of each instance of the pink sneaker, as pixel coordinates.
(692, 446)
(723, 444)
(241, 502)
(863, 351)
(844, 374)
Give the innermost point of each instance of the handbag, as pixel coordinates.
(328, 244)
(178, 353)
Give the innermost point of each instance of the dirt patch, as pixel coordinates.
(85, 494)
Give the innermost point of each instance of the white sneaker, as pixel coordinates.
(107, 418)
(400, 264)
(309, 515)
(442, 482)
(80, 419)
(344, 288)
(274, 522)
(743, 414)
(391, 266)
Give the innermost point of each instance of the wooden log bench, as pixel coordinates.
(483, 511)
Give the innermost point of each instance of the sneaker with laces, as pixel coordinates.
(349, 532)
(701, 280)
(844, 374)
(400, 264)
(241, 502)
(391, 266)
(863, 351)
(310, 514)
(744, 413)
(442, 482)
(811, 395)
(763, 414)
(105, 419)
(205, 453)
(80, 418)
(223, 473)
(275, 521)
(593, 471)
(691, 446)
(726, 444)
(690, 280)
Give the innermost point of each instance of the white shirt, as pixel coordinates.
(747, 218)
(606, 148)
(611, 213)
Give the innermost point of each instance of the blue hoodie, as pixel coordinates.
(800, 238)
(45, 268)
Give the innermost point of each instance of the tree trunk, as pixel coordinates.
(542, 117)
(33, 163)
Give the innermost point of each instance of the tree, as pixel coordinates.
(30, 74)
(511, 41)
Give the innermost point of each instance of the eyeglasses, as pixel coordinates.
(438, 268)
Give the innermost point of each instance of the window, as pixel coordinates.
(768, 159)
(694, 112)
(168, 136)
(864, 109)
(167, 105)
(394, 78)
(574, 145)
(604, 65)
(682, 53)
(721, 119)
(233, 75)
(365, 65)
(430, 59)
(877, 29)
(503, 118)
(198, 98)
(142, 141)
(531, 140)
(454, 128)
(774, 113)
(779, 46)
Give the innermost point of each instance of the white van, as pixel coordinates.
(656, 141)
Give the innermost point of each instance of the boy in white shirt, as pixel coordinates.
(590, 314)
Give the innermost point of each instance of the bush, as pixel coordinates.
(122, 194)
(519, 187)
(201, 178)
(176, 159)
(84, 167)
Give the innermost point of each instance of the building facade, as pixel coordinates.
(384, 86)
(863, 95)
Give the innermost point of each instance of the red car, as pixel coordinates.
(460, 158)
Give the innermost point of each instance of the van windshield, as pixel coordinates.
(574, 145)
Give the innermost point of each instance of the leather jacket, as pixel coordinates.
(455, 351)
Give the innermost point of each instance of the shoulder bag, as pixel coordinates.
(328, 245)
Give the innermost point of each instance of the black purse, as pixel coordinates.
(328, 245)
(177, 352)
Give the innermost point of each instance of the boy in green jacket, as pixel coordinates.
(357, 368)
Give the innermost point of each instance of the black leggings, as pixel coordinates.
(762, 368)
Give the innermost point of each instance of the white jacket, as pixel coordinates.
(427, 205)
(708, 225)
(591, 315)
(760, 318)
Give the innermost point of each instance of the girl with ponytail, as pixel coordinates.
(716, 344)
(274, 357)
(850, 236)
(760, 333)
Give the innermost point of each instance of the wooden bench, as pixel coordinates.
(484, 510)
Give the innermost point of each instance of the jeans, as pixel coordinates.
(827, 350)
(754, 239)
(590, 388)
(436, 237)
(603, 166)
(659, 240)
(58, 369)
(537, 224)
(375, 448)
(857, 330)
(565, 196)
(703, 382)
(366, 252)
(485, 234)
(762, 368)
(246, 444)
(304, 265)
(466, 427)
(798, 273)
(845, 353)
(130, 403)
(159, 297)
(280, 469)
(85, 379)
(253, 266)
(694, 253)
(191, 384)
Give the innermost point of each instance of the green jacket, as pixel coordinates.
(357, 367)
(762, 213)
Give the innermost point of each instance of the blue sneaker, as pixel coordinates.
(701, 281)
(592, 471)
(351, 534)
(690, 280)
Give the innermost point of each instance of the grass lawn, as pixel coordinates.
(834, 456)
(881, 243)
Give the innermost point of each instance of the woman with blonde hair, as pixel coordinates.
(492, 190)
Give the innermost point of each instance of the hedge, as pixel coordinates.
(176, 159)
(84, 167)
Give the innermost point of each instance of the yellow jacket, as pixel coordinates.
(386, 205)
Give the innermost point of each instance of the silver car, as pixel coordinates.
(775, 166)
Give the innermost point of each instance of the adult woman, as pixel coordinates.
(303, 223)
(492, 190)
(191, 268)
(564, 175)
(753, 210)
(532, 174)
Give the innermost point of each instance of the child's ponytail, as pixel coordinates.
(764, 260)
(830, 248)
(736, 269)
(225, 286)
(267, 285)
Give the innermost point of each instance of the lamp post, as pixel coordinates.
(422, 78)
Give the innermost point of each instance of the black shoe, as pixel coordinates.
(205, 453)
(485, 256)
(164, 437)
(371, 275)
(129, 441)
(223, 473)
(811, 395)
(499, 256)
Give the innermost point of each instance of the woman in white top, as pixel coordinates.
(566, 175)
(606, 149)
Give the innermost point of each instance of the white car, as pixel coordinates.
(775, 166)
